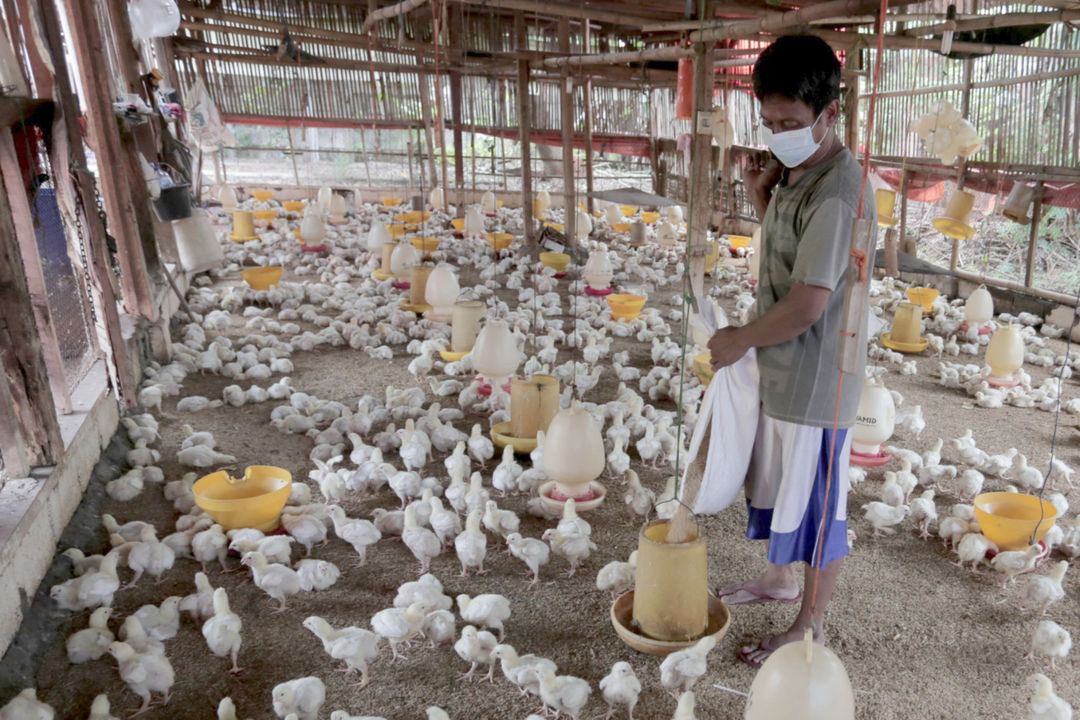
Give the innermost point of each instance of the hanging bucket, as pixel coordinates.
(387, 253)
(196, 243)
(684, 90)
(174, 203)
(955, 221)
(886, 207)
(465, 325)
(418, 285)
(243, 226)
(1018, 205)
(533, 403)
(671, 596)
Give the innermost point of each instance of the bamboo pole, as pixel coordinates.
(1002, 20)
(566, 111)
(524, 121)
(390, 11)
(589, 128)
(985, 84)
(1033, 236)
(701, 173)
(899, 42)
(564, 10)
(786, 21)
(852, 61)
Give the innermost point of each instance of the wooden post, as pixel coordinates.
(903, 210)
(1033, 236)
(455, 109)
(852, 62)
(701, 173)
(589, 126)
(429, 136)
(892, 264)
(23, 220)
(524, 123)
(31, 411)
(67, 154)
(43, 81)
(86, 35)
(566, 107)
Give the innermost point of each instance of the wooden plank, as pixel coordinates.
(701, 174)
(852, 61)
(566, 112)
(589, 127)
(23, 220)
(524, 121)
(1033, 236)
(43, 82)
(456, 36)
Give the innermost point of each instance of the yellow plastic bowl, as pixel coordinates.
(293, 205)
(426, 244)
(253, 501)
(621, 227)
(262, 195)
(264, 215)
(262, 278)
(500, 241)
(625, 307)
(396, 229)
(650, 217)
(459, 224)
(703, 367)
(923, 296)
(555, 226)
(391, 201)
(554, 260)
(739, 241)
(628, 210)
(414, 216)
(1008, 519)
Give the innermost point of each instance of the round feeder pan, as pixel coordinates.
(293, 205)
(500, 435)
(622, 612)
(984, 329)
(418, 308)
(598, 492)
(917, 347)
(485, 386)
(262, 278)
(450, 356)
(400, 285)
(242, 238)
(1009, 519)
(380, 275)
(264, 215)
(262, 195)
(881, 458)
(252, 501)
(591, 292)
(1006, 382)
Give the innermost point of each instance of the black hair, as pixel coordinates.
(800, 67)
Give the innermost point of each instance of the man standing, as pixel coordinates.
(807, 192)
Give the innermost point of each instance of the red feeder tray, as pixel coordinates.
(598, 293)
(485, 386)
(1011, 381)
(983, 330)
(313, 248)
(858, 458)
(560, 276)
(402, 285)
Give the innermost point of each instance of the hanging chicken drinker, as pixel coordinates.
(598, 273)
(442, 292)
(1017, 206)
(1005, 355)
(533, 404)
(496, 355)
(383, 271)
(312, 231)
(402, 260)
(243, 227)
(573, 459)
(875, 420)
(474, 223)
(955, 223)
(906, 332)
(196, 244)
(323, 198)
(337, 210)
(489, 204)
(804, 680)
(541, 204)
(378, 236)
(978, 311)
(227, 197)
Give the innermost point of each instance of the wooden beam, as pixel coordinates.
(524, 125)
(1004, 82)
(852, 62)
(456, 31)
(564, 10)
(1033, 236)
(788, 21)
(38, 63)
(616, 58)
(390, 11)
(23, 220)
(1002, 20)
(566, 122)
(700, 173)
(429, 136)
(845, 40)
(587, 37)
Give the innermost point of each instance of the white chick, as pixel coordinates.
(1050, 640)
(471, 545)
(144, 673)
(504, 478)
(222, 631)
(1042, 591)
(534, 553)
(210, 544)
(200, 604)
(305, 529)
(489, 610)
(883, 517)
(399, 625)
(317, 574)
(149, 555)
(26, 706)
(563, 693)
(972, 548)
(203, 456)
(475, 647)
(132, 632)
(358, 532)
(446, 524)
(1044, 703)
(276, 580)
(638, 498)
(685, 708)
(91, 589)
(1015, 562)
(521, 670)
(427, 590)
(439, 627)
(481, 449)
(422, 542)
(924, 512)
(302, 697)
(621, 687)
(101, 709)
(617, 577)
(355, 646)
(500, 522)
(891, 493)
(680, 670)
(160, 622)
(91, 642)
(618, 462)
(573, 546)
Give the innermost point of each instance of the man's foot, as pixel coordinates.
(753, 592)
(757, 653)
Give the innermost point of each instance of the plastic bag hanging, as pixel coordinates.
(153, 18)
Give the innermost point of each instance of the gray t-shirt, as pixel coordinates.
(806, 238)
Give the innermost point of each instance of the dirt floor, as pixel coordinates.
(920, 637)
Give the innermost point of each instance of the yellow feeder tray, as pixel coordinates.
(262, 278)
(242, 238)
(738, 241)
(450, 356)
(703, 367)
(500, 435)
(414, 216)
(262, 195)
(628, 210)
(293, 205)
(390, 201)
(555, 226)
(621, 227)
(253, 501)
(954, 228)
(625, 307)
(555, 261)
(650, 217)
(1010, 519)
(622, 612)
(264, 215)
(396, 230)
(923, 296)
(500, 241)
(381, 275)
(417, 308)
(916, 347)
(459, 224)
(426, 244)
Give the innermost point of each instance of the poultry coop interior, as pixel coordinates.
(354, 361)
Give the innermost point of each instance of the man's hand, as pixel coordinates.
(760, 174)
(726, 346)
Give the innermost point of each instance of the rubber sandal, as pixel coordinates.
(753, 597)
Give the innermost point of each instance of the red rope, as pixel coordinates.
(861, 262)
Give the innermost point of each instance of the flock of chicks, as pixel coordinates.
(385, 449)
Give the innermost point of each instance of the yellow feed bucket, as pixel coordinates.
(500, 241)
(671, 599)
(628, 210)
(886, 207)
(264, 215)
(650, 217)
(293, 205)
(923, 296)
(391, 201)
(262, 195)
(625, 307)
(738, 241)
(459, 224)
(713, 256)
(243, 227)
(396, 230)
(253, 501)
(1009, 519)
(621, 227)
(262, 278)
(426, 244)
(954, 223)
(413, 216)
(703, 367)
(555, 261)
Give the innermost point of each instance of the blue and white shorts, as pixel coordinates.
(785, 491)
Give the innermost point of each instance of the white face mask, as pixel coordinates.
(792, 147)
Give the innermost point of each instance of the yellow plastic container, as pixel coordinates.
(262, 195)
(243, 227)
(391, 201)
(264, 215)
(459, 224)
(555, 261)
(923, 296)
(396, 230)
(1009, 519)
(262, 278)
(414, 216)
(500, 241)
(739, 241)
(253, 501)
(713, 256)
(628, 210)
(625, 307)
(294, 205)
(555, 226)
(671, 596)
(650, 217)
(426, 244)
(703, 367)
(621, 227)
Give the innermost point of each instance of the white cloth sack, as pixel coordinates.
(723, 439)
